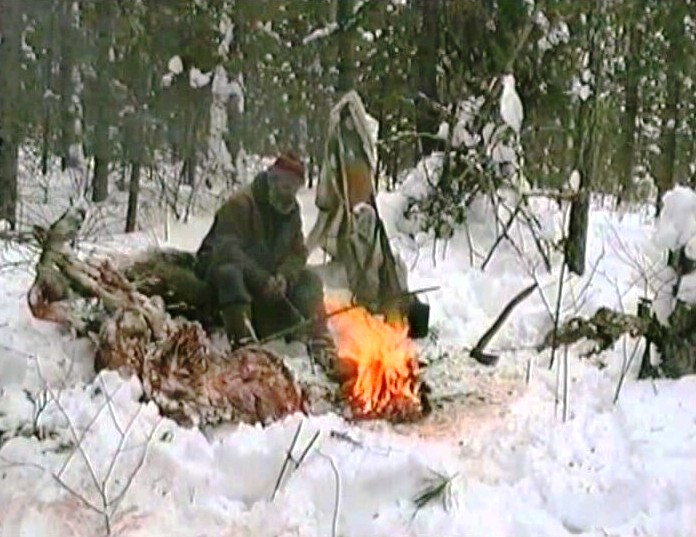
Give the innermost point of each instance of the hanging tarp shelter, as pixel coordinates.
(348, 226)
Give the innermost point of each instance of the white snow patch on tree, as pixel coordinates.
(580, 90)
(175, 65)
(443, 131)
(468, 110)
(226, 29)
(199, 79)
(677, 224)
(510, 104)
(320, 33)
(574, 180)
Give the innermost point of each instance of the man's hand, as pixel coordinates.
(276, 286)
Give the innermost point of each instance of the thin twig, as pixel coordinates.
(126, 486)
(501, 236)
(565, 384)
(286, 462)
(559, 297)
(557, 389)
(57, 479)
(557, 313)
(581, 298)
(84, 432)
(337, 495)
(304, 454)
(110, 406)
(122, 442)
(469, 242)
(77, 438)
(625, 369)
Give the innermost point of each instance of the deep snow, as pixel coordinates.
(619, 469)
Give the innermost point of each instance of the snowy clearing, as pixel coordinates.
(517, 469)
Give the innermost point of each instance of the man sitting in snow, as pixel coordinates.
(255, 259)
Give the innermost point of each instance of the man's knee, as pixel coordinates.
(229, 286)
(308, 292)
(310, 282)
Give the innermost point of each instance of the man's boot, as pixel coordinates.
(237, 320)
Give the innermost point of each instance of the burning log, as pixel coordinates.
(378, 366)
(181, 371)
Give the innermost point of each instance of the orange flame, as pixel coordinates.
(378, 364)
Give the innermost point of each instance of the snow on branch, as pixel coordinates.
(330, 29)
(320, 33)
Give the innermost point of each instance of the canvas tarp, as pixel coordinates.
(348, 227)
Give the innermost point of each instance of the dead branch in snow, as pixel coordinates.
(337, 494)
(286, 461)
(559, 294)
(501, 235)
(647, 272)
(534, 225)
(437, 489)
(289, 459)
(41, 398)
(107, 503)
(627, 361)
(478, 351)
(21, 237)
(470, 243)
(579, 299)
(519, 213)
(626, 367)
(542, 295)
(345, 437)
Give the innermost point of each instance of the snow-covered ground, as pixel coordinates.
(624, 468)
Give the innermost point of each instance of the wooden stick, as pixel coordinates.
(308, 322)
(478, 351)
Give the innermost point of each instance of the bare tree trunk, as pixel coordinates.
(133, 194)
(66, 89)
(426, 73)
(10, 67)
(100, 184)
(190, 171)
(665, 175)
(585, 137)
(670, 118)
(628, 118)
(346, 66)
(135, 147)
(45, 141)
(47, 76)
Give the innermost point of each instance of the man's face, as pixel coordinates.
(282, 190)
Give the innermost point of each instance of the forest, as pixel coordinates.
(116, 88)
(477, 225)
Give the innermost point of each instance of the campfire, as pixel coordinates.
(378, 365)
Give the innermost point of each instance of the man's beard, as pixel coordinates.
(282, 204)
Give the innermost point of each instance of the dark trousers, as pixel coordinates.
(304, 300)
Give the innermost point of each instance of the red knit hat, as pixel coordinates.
(290, 162)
